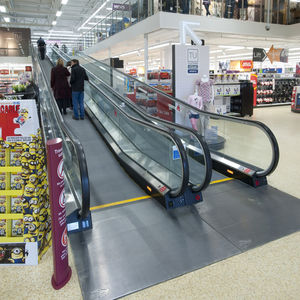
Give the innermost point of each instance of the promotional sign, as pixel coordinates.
(28, 68)
(298, 69)
(4, 72)
(18, 120)
(246, 64)
(122, 7)
(259, 54)
(62, 270)
(278, 54)
(253, 79)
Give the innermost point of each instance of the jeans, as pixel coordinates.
(206, 5)
(77, 98)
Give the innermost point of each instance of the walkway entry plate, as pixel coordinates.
(142, 244)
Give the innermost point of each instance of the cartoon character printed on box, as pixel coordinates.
(2, 181)
(17, 228)
(16, 205)
(16, 181)
(23, 116)
(15, 158)
(2, 228)
(2, 204)
(17, 255)
(2, 158)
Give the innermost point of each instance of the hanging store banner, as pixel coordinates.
(259, 54)
(4, 72)
(18, 120)
(122, 7)
(279, 54)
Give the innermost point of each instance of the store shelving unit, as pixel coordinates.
(6, 81)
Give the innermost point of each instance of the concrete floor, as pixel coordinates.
(267, 272)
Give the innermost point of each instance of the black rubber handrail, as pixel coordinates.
(206, 152)
(79, 151)
(260, 125)
(167, 133)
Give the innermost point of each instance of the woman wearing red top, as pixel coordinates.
(60, 86)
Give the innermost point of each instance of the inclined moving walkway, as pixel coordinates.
(239, 148)
(155, 156)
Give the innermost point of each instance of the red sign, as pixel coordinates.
(4, 72)
(246, 64)
(9, 113)
(28, 68)
(62, 270)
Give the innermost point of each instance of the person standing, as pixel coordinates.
(78, 76)
(59, 85)
(42, 47)
(206, 4)
(70, 103)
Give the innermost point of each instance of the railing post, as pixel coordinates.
(62, 270)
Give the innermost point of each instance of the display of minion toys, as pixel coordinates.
(2, 204)
(17, 255)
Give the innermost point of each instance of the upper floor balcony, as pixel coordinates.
(124, 15)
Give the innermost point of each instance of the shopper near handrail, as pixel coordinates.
(42, 47)
(60, 86)
(78, 76)
(70, 103)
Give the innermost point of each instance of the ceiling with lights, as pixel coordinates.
(61, 21)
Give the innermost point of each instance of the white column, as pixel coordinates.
(146, 55)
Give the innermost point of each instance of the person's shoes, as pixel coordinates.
(75, 118)
(81, 118)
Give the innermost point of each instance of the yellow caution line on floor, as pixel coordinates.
(120, 202)
(143, 198)
(221, 180)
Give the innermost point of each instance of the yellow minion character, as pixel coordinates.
(16, 159)
(24, 113)
(25, 175)
(2, 206)
(17, 206)
(17, 229)
(32, 153)
(32, 164)
(33, 179)
(25, 147)
(29, 190)
(17, 256)
(43, 214)
(30, 225)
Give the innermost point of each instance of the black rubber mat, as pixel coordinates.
(132, 247)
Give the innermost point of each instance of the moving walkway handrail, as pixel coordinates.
(167, 133)
(79, 151)
(206, 152)
(260, 125)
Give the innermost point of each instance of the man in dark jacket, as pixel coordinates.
(42, 47)
(78, 76)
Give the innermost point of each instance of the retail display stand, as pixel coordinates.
(295, 107)
(25, 223)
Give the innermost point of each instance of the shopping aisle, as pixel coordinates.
(267, 272)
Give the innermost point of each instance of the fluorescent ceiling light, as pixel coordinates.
(62, 35)
(58, 31)
(129, 53)
(54, 23)
(64, 2)
(236, 55)
(231, 48)
(2, 8)
(108, 16)
(294, 49)
(109, 8)
(82, 28)
(94, 14)
(6, 19)
(159, 46)
(58, 13)
(216, 51)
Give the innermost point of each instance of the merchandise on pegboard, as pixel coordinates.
(25, 223)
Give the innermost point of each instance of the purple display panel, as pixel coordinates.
(62, 270)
